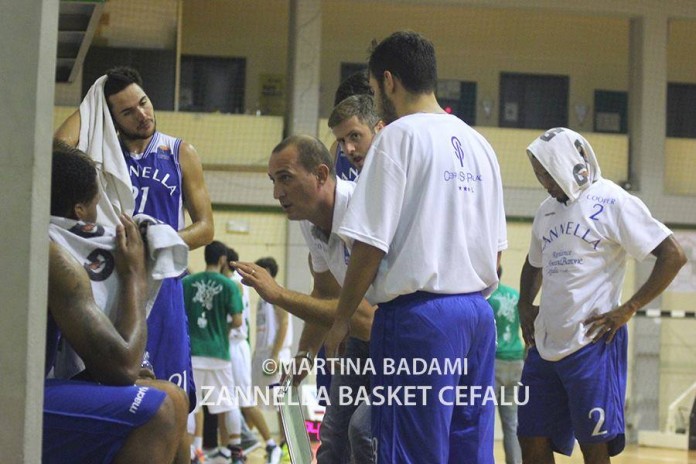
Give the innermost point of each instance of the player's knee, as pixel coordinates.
(165, 422)
(176, 395)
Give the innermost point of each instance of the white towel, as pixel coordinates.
(93, 245)
(568, 157)
(167, 250)
(99, 140)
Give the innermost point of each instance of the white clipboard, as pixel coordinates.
(294, 423)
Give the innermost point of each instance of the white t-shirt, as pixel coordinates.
(331, 253)
(582, 248)
(430, 196)
(241, 332)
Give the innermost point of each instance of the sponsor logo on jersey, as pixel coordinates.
(100, 265)
(138, 399)
(163, 152)
(575, 229)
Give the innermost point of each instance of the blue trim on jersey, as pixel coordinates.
(579, 397)
(431, 327)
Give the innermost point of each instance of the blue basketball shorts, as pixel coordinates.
(434, 357)
(168, 340)
(579, 397)
(88, 423)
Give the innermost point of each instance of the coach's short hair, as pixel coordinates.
(360, 106)
(118, 78)
(213, 251)
(73, 180)
(269, 264)
(311, 152)
(408, 56)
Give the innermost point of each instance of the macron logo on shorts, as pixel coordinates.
(138, 399)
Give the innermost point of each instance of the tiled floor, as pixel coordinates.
(631, 455)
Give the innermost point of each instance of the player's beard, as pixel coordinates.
(137, 135)
(387, 109)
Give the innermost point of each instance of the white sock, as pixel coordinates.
(198, 442)
(235, 441)
(233, 420)
(270, 442)
(224, 451)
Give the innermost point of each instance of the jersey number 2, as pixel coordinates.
(600, 422)
(600, 208)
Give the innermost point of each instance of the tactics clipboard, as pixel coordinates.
(294, 423)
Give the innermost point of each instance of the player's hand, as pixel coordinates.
(335, 340)
(258, 277)
(299, 367)
(608, 323)
(130, 250)
(528, 314)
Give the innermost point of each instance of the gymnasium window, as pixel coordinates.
(533, 101)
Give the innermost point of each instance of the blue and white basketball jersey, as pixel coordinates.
(344, 170)
(157, 181)
(156, 178)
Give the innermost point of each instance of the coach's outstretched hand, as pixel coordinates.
(259, 279)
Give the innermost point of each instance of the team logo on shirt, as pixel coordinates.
(581, 174)
(163, 152)
(458, 151)
(205, 295)
(100, 265)
(87, 230)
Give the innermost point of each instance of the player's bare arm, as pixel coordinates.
(112, 352)
(530, 284)
(236, 321)
(362, 269)
(670, 258)
(196, 199)
(69, 131)
(319, 308)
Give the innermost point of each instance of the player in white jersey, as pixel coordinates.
(428, 225)
(582, 235)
